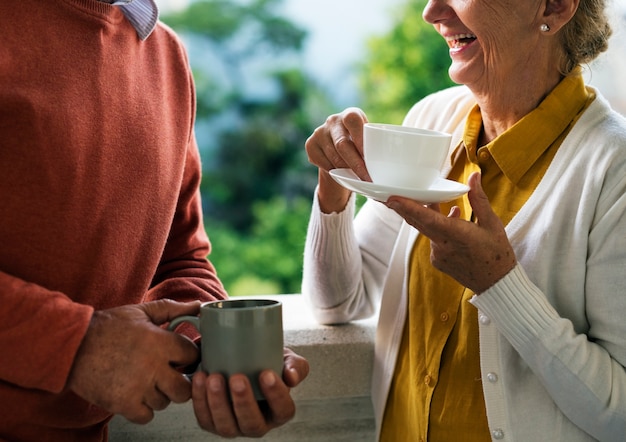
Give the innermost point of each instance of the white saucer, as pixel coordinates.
(440, 191)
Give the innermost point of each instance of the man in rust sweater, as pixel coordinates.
(101, 233)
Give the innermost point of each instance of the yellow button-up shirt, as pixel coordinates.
(437, 389)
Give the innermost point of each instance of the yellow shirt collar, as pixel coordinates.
(534, 133)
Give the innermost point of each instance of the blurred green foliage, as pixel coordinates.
(256, 108)
(403, 66)
(263, 156)
(268, 259)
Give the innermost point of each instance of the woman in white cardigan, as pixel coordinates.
(547, 285)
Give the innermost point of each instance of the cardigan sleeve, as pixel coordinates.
(345, 260)
(580, 364)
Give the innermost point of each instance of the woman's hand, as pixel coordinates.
(475, 254)
(338, 143)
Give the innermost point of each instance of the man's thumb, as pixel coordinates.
(164, 310)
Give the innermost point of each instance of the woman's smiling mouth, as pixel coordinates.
(459, 41)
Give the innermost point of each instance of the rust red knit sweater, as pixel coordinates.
(99, 202)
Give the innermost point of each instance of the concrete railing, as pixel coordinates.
(333, 403)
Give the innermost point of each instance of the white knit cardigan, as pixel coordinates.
(553, 331)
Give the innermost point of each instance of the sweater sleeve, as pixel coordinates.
(584, 373)
(345, 260)
(40, 333)
(184, 272)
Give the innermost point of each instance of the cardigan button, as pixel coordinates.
(498, 434)
(492, 377)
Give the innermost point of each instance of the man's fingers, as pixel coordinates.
(156, 400)
(141, 414)
(199, 397)
(251, 420)
(296, 368)
(181, 350)
(175, 386)
(164, 310)
(225, 423)
(276, 392)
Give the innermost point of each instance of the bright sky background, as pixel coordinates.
(338, 29)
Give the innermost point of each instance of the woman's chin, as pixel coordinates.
(462, 74)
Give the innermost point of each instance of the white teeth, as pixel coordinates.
(459, 37)
(459, 40)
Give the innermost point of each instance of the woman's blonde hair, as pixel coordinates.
(586, 35)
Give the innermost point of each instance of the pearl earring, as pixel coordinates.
(544, 27)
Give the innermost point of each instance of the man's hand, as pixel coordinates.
(244, 416)
(126, 364)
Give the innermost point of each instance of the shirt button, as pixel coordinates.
(492, 377)
(497, 434)
(484, 319)
(444, 317)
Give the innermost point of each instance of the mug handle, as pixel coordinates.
(193, 320)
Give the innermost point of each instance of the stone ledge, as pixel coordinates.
(333, 403)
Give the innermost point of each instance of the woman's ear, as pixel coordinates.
(558, 13)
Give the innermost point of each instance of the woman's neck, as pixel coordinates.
(502, 106)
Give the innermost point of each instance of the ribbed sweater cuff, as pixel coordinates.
(519, 308)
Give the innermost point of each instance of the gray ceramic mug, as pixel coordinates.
(240, 336)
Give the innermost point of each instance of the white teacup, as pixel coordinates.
(401, 156)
